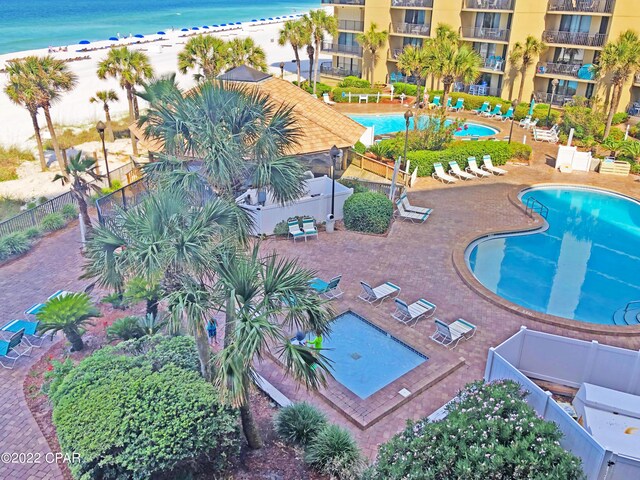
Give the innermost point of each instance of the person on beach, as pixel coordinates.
(212, 331)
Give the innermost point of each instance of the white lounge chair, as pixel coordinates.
(309, 228)
(414, 217)
(411, 208)
(532, 124)
(378, 294)
(295, 231)
(458, 172)
(545, 136)
(440, 174)
(327, 100)
(488, 166)
(524, 123)
(412, 313)
(473, 168)
(450, 335)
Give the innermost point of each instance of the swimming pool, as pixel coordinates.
(391, 123)
(366, 358)
(585, 266)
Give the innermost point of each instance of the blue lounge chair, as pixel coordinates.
(330, 289)
(30, 330)
(448, 103)
(34, 309)
(379, 293)
(479, 111)
(508, 115)
(496, 112)
(450, 335)
(459, 105)
(412, 313)
(11, 350)
(392, 77)
(436, 102)
(294, 230)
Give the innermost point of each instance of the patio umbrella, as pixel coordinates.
(195, 28)
(184, 30)
(532, 106)
(161, 33)
(205, 26)
(114, 39)
(138, 35)
(84, 42)
(586, 72)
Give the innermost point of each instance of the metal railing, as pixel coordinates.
(328, 69)
(340, 48)
(418, 29)
(480, 90)
(353, 25)
(343, 2)
(587, 6)
(568, 69)
(489, 4)
(495, 64)
(412, 3)
(535, 206)
(124, 198)
(377, 187)
(498, 34)
(558, 99)
(574, 38)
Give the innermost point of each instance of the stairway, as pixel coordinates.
(629, 315)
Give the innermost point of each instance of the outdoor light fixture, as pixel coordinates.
(334, 153)
(407, 117)
(514, 105)
(554, 86)
(281, 69)
(101, 127)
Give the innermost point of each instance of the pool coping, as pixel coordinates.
(459, 256)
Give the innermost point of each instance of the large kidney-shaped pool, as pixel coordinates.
(391, 123)
(585, 266)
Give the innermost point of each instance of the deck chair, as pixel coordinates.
(459, 105)
(497, 111)
(330, 289)
(436, 102)
(525, 122)
(11, 350)
(295, 231)
(59, 293)
(488, 166)
(309, 228)
(533, 124)
(30, 331)
(450, 335)
(378, 294)
(473, 168)
(413, 217)
(440, 174)
(449, 107)
(479, 111)
(411, 208)
(327, 100)
(458, 172)
(508, 115)
(412, 313)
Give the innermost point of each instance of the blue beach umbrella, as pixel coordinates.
(254, 20)
(114, 39)
(270, 18)
(223, 24)
(138, 35)
(184, 30)
(532, 106)
(195, 28)
(205, 26)
(161, 33)
(216, 26)
(238, 23)
(84, 42)
(263, 19)
(277, 18)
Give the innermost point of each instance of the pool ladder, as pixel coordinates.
(535, 206)
(629, 315)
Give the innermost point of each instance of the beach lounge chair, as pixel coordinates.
(450, 335)
(459, 105)
(436, 102)
(532, 124)
(327, 100)
(458, 172)
(59, 293)
(488, 166)
(30, 330)
(309, 228)
(473, 168)
(34, 309)
(11, 350)
(448, 106)
(440, 174)
(378, 294)
(525, 122)
(412, 313)
(330, 289)
(508, 115)
(414, 217)
(295, 231)
(496, 112)
(479, 111)
(411, 208)
(548, 136)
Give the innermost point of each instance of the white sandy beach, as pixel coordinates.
(74, 108)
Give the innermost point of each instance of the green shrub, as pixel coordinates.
(32, 232)
(356, 185)
(540, 112)
(4, 251)
(52, 222)
(368, 212)
(474, 102)
(359, 147)
(408, 89)
(341, 95)
(500, 153)
(281, 228)
(620, 117)
(585, 121)
(42, 200)
(127, 420)
(16, 243)
(116, 300)
(54, 377)
(334, 452)
(69, 211)
(354, 82)
(115, 185)
(179, 351)
(500, 434)
(31, 205)
(125, 328)
(299, 423)
(321, 88)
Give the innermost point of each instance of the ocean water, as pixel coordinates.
(31, 24)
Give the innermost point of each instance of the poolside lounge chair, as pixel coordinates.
(488, 166)
(295, 231)
(450, 335)
(532, 124)
(411, 208)
(508, 115)
(309, 228)
(330, 289)
(59, 293)
(378, 294)
(458, 172)
(497, 111)
(525, 122)
(549, 136)
(459, 105)
(479, 111)
(11, 350)
(30, 330)
(440, 174)
(412, 313)
(436, 102)
(448, 106)
(414, 217)
(473, 168)
(327, 100)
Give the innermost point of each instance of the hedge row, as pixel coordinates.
(341, 95)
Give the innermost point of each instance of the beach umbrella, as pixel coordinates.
(270, 18)
(138, 35)
(114, 39)
(84, 42)
(277, 18)
(238, 23)
(223, 24)
(161, 33)
(184, 30)
(263, 19)
(195, 28)
(532, 106)
(216, 26)
(205, 26)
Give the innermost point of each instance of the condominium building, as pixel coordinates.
(574, 30)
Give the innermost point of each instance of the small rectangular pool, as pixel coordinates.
(366, 358)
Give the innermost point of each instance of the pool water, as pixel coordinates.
(391, 123)
(585, 266)
(365, 358)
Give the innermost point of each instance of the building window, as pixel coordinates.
(575, 23)
(347, 39)
(488, 20)
(414, 42)
(569, 55)
(416, 17)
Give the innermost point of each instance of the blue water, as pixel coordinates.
(584, 267)
(29, 24)
(392, 123)
(365, 358)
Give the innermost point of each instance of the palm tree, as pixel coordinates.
(412, 61)
(75, 174)
(269, 300)
(22, 90)
(294, 33)
(525, 54)
(206, 54)
(319, 23)
(68, 314)
(457, 62)
(620, 60)
(106, 97)
(371, 41)
(131, 68)
(245, 51)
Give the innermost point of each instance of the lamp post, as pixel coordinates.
(554, 85)
(335, 154)
(407, 117)
(514, 105)
(281, 69)
(101, 127)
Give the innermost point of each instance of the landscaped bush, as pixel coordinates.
(341, 95)
(540, 112)
(474, 102)
(586, 121)
(368, 212)
(360, 147)
(32, 232)
(125, 328)
(69, 211)
(52, 222)
(321, 88)
(356, 185)
(299, 423)
(500, 152)
(490, 433)
(15, 243)
(619, 118)
(281, 228)
(179, 351)
(115, 185)
(408, 89)
(54, 377)
(334, 452)
(355, 82)
(127, 419)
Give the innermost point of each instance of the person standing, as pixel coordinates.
(212, 331)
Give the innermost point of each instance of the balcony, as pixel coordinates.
(574, 70)
(574, 38)
(471, 89)
(412, 29)
(394, 53)
(351, 25)
(581, 6)
(493, 34)
(339, 48)
(558, 100)
(412, 3)
(495, 64)
(331, 71)
(355, 3)
(488, 4)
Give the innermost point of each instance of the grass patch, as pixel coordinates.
(70, 136)
(9, 207)
(10, 159)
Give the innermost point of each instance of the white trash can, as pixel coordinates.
(331, 223)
